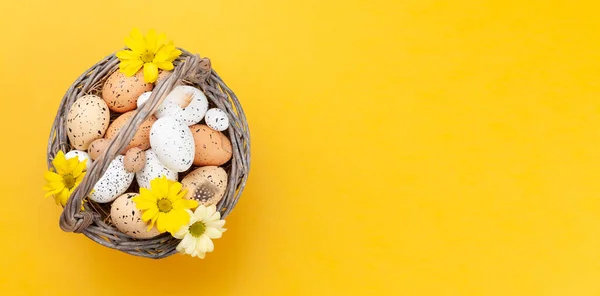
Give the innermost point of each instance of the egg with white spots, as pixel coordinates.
(216, 119)
(87, 120)
(81, 156)
(173, 143)
(206, 185)
(184, 103)
(128, 219)
(113, 183)
(153, 169)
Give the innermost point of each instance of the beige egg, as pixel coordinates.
(87, 120)
(97, 147)
(206, 185)
(135, 159)
(128, 219)
(121, 92)
(211, 147)
(141, 138)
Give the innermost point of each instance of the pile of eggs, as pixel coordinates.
(183, 135)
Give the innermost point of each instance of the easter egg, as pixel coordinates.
(141, 138)
(135, 159)
(211, 147)
(128, 219)
(87, 120)
(216, 119)
(184, 103)
(121, 92)
(153, 169)
(173, 143)
(143, 98)
(97, 147)
(206, 185)
(113, 183)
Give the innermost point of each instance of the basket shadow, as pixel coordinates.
(179, 268)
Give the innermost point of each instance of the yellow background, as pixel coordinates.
(399, 147)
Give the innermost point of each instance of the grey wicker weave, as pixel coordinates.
(93, 219)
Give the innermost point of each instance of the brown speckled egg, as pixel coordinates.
(206, 185)
(121, 92)
(211, 147)
(162, 75)
(128, 219)
(135, 160)
(87, 120)
(97, 148)
(141, 138)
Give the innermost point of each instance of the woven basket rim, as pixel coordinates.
(189, 69)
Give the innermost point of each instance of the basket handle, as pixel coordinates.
(193, 69)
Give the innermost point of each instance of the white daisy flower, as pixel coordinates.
(205, 224)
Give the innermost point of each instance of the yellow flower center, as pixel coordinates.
(147, 57)
(164, 205)
(197, 229)
(69, 181)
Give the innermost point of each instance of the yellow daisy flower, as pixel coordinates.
(152, 52)
(64, 177)
(164, 204)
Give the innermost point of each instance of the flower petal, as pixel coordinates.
(200, 212)
(165, 65)
(131, 67)
(161, 222)
(52, 177)
(216, 224)
(135, 41)
(174, 190)
(181, 232)
(205, 244)
(127, 54)
(62, 197)
(213, 233)
(188, 243)
(78, 169)
(200, 255)
(149, 214)
(151, 41)
(167, 53)
(60, 163)
(184, 204)
(176, 219)
(150, 72)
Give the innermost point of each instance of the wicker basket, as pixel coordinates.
(93, 219)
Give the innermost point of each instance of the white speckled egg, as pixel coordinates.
(81, 155)
(128, 219)
(217, 119)
(153, 169)
(173, 143)
(113, 183)
(87, 120)
(206, 185)
(185, 103)
(143, 98)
